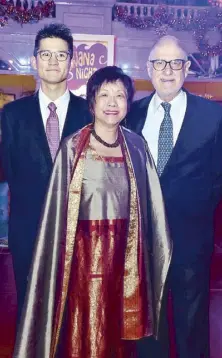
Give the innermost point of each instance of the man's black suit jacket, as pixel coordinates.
(192, 179)
(27, 167)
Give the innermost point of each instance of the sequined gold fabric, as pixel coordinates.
(93, 325)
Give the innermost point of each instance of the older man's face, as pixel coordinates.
(168, 81)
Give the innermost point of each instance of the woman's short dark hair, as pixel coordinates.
(54, 30)
(105, 75)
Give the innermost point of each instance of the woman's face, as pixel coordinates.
(110, 106)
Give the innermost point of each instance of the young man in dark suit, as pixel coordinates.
(184, 134)
(32, 129)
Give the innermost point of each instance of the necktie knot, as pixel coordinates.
(52, 107)
(166, 106)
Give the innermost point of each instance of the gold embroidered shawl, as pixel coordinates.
(36, 336)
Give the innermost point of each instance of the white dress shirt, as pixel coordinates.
(155, 115)
(61, 105)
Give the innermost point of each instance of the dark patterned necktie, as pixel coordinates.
(52, 130)
(165, 141)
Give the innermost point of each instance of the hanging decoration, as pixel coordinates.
(203, 42)
(161, 19)
(215, 2)
(23, 13)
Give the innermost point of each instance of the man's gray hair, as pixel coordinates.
(164, 40)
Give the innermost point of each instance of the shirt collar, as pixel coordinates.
(157, 100)
(61, 100)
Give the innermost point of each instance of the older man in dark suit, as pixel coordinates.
(184, 134)
(32, 129)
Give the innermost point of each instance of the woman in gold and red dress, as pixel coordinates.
(90, 294)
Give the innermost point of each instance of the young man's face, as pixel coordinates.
(53, 61)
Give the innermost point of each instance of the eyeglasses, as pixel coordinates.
(176, 65)
(46, 55)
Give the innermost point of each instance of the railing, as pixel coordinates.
(148, 10)
(169, 2)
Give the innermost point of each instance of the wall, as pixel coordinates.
(90, 17)
(17, 42)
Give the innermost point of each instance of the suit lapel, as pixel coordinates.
(141, 114)
(69, 118)
(74, 117)
(38, 127)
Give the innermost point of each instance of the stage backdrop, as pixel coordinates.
(91, 52)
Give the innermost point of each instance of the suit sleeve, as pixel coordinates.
(217, 163)
(6, 145)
